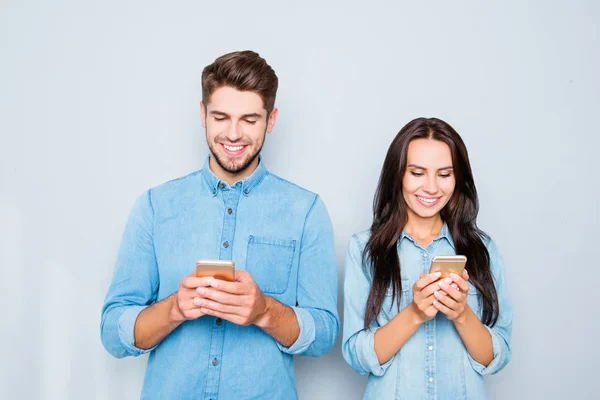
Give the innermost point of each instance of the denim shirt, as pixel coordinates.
(433, 363)
(278, 232)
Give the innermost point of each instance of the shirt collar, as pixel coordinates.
(248, 184)
(444, 233)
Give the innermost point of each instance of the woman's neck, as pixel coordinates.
(423, 230)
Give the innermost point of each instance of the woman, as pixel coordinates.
(418, 336)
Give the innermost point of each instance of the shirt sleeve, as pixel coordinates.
(501, 332)
(358, 343)
(134, 284)
(316, 309)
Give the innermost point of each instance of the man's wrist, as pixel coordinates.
(175, 315)
(265, 320)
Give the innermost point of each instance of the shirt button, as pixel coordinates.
(246, 191)
(229, 211)
(221, 185)
(430, 347)
(214, 191)
(226, 244)
(430, 379)
(216, 362)
(219, 321)
(424, 254)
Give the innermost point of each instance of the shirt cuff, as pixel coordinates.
(126, 326)
(366, 353)
(496, 348)
(306, 323)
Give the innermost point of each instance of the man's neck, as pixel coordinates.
(229, 177)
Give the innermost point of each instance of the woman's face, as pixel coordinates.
(428, 182)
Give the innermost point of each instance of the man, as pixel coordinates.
(210, 338)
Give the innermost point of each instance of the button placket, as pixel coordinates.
(215, 357)
(430, 364)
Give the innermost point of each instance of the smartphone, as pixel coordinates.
(448, 264)
(219, 269)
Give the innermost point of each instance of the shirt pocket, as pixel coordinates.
(389, 308)
(269, 261)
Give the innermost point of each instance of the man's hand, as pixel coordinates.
(241, 302)
(184, 308)
(154, 323)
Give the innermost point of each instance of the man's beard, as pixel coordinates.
(231, 168)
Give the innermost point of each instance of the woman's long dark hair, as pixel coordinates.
(390, 216)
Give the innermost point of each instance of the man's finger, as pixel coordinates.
(221, 296)
(213, 305)
(231, 287)
(243, 277)
(192, 282)
(236, 319)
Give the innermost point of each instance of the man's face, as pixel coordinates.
(236, 123)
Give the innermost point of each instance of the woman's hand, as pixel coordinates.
(423, 297)
(451, 296)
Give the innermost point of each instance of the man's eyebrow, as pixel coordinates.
(252, 115)
(224, 114)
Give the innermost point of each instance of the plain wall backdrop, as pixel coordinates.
(100, 101)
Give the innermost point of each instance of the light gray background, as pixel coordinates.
(99, 101)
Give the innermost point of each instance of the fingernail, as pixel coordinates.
(197, 301)
(445, 282)
(436, 275)
(453, 275)
(200, 290)
(437, 294)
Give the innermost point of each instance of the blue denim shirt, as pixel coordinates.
(278, 232)
(433, 363)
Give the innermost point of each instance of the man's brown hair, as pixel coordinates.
(244, 71)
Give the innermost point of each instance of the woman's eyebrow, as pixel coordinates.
(419, 167)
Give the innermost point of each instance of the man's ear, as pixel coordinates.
(272, 119)
(203, 114)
